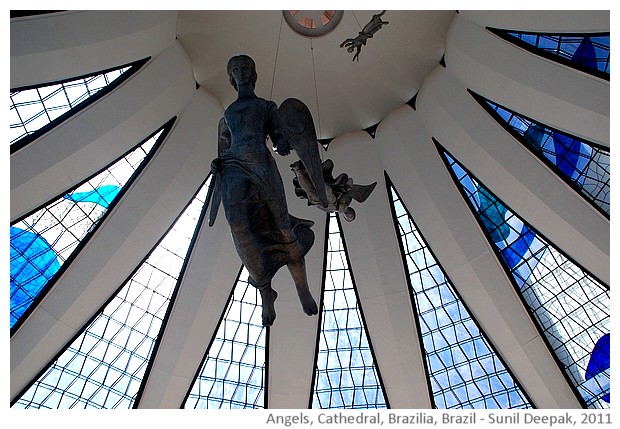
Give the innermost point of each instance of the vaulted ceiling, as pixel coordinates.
(343, 95)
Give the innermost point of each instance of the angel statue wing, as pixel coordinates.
(214, 197)
(299, 130)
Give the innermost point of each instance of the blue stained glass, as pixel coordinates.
(585, 53)
(570, 307)
(534, 133)
(493, 215)
(583, 165)
(103, 195)
(464, 370)
(494, 218)
(33, 263)
(588, 52)
(515, 253)
(61, 225)
(566, 154)
(599, 364)
(105, 365)
(346, 375)
(599, 361)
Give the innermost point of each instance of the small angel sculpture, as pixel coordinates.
(367, 32)
(249, 186)
(341, 191)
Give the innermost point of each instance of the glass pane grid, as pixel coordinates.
(44, 240)
(591, 51)
(105, 365)
(32, 109)
(346, 375)
(233, 375)
(570, 307)
(586, 166)
(464, 371)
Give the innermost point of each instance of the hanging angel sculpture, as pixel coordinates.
(356, 43)
(249, 186)
(341, 191)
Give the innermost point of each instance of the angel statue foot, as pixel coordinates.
(268, 296)
(298, 272)
(309, 304)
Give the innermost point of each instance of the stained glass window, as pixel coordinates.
(105, 365)
(586, 52)
(233, 374)
(35, 108)
(464, 369)
(44, 240)
(346, 373)
(583, 165)
(570, 306)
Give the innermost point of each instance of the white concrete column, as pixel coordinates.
(64, 45)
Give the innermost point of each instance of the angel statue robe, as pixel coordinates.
(265, 235)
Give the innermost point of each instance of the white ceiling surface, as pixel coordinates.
(348, 95)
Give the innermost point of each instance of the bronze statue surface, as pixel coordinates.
(356, 43)
(250, 188)
(340, 191)
(248, 185)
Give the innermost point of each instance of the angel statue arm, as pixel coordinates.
(275, 130)
(214, 197)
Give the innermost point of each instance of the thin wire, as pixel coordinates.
(316, 91)
(275, 64)
(358, 22)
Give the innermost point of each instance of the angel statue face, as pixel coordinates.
(241, 71)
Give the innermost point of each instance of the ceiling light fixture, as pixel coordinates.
(312, 23)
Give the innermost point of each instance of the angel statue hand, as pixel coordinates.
(283, 148)
(216, 166)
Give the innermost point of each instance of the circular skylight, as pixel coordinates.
(312, 23)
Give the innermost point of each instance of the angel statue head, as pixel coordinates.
(235, 64)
